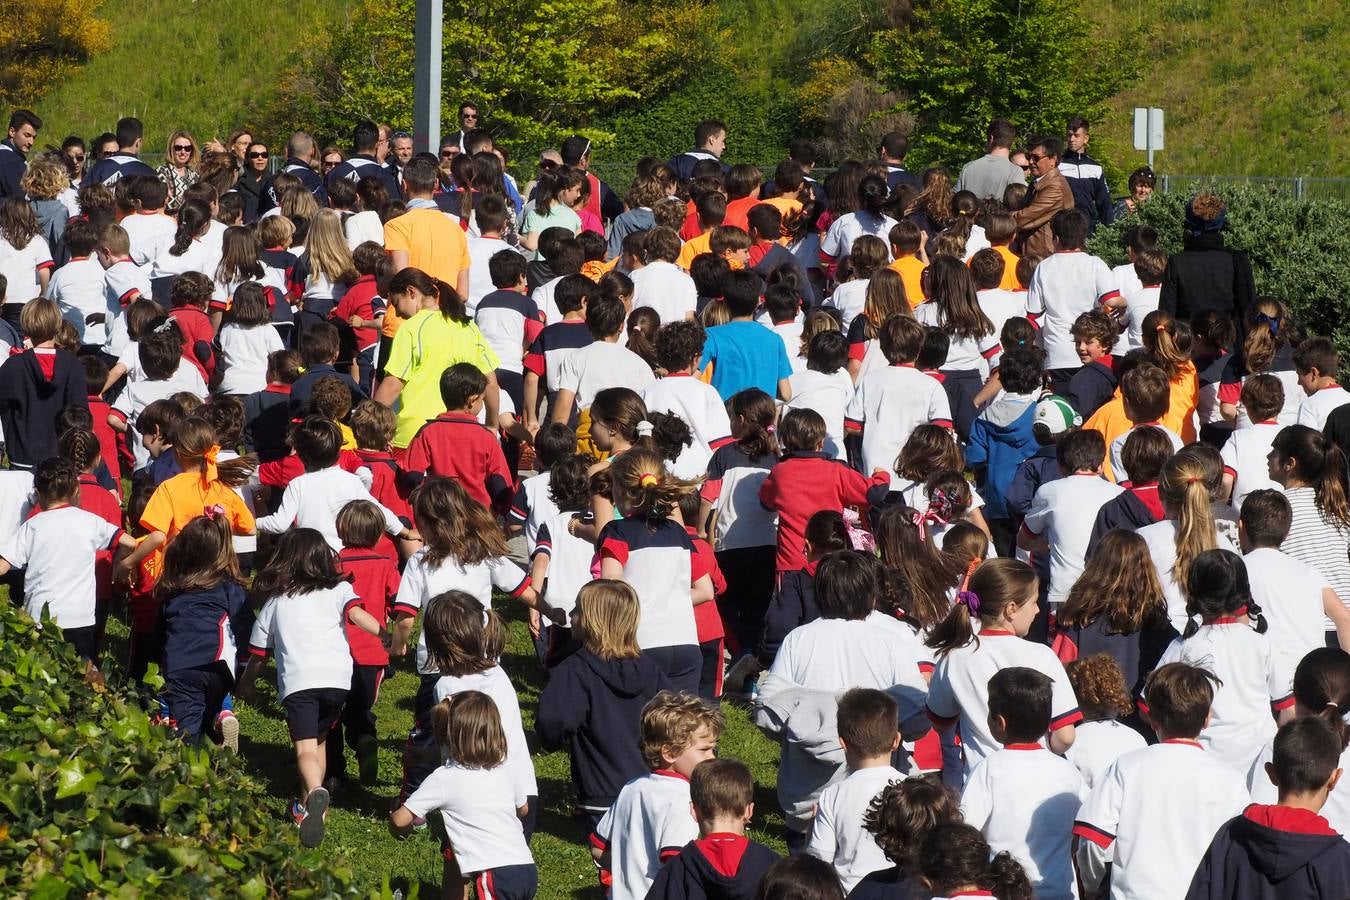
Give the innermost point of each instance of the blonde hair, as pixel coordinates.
(816, 322)
(1267, 331)
(671, 721)
(649, 490)
(328, 251)
(275, 231)
(1187, 486)
(173, 138)
(607, 619)
(885, 298)
(714, 314)
(298, 203)
(468, 726)
(44, 179)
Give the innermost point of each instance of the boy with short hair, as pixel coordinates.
(1147, 394)
(768, 253)
(906, 238)
(711, 208)
(554, 345)
(1316, 362)
(123, 283)
(1094, 334)
(1293, 596)
(373, 427)
(1149, 266)
(987, 267)
(78, 286)
(744, 354)
(157, 426)
(661, 284)
(1153, 813)
(490, 214)
(1245, 468)
(783, 315)
(190, 295)
(319, 347)
(999, 230)
(1024, 798)
(330, 398)
(651, 819)
(36, 384)
(1062, 512)
(825, 386)
(565, 260)
(1145, 453)
(1003, 435)
(867, 722)
(890, 403)
(722, 862)
(455, 445)
(678, 346)
(57, 548)
(510, 321)
(732, 244)
(267, 412)
(1286, 850)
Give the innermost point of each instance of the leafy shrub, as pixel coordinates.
(97, 801)
(1300, 249)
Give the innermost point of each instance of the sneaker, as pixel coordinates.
(739, 673)
(368, 759)
(297, 812)
(229, 730)
(311, 824)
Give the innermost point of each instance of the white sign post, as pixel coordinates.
(1148, 130)
(427, 76)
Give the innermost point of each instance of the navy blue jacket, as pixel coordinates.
(308, 177)
(30, 402)
(1088, 183)
(778, 256)
(1251, 860)
(12, 166)
(114, 168)
(594, 707)
(361, 165)
(1035, 470)
(267, 414)
(1091, 386)
(898, 175)
(720, 867)
(304, 385)
(888, 884)
(1125, 510)
(684, 163)
(199, 626)
(793, 604)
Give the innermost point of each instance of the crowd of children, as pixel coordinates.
(1038, 584)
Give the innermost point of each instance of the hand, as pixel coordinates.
(534, 624)
(879, 471)
(122, 573)
(356, 321)
(214, 145)
(399, 649)
(532, 426)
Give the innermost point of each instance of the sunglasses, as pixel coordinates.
(1033, 159)
(399, 135)
(448, 154)
(262, 155)
(331, 163)
(469, 116)
(182, 148)
(1026, 168)
(76, 157)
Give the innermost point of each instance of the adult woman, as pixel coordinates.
(237, 145)
(179, 171)
(1206, 274)
(251, 179)
(436, 334)
(330, 159)
(73, 153)
(1142, 182)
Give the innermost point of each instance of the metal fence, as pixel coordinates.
(1298, 187)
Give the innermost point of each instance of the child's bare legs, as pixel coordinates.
(454, 886)
(309, 758)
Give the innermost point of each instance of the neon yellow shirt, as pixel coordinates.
(425, 346)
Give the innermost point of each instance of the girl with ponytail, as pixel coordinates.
(1001, 594)
(1226, 635)
(1169, 345)
(1190, 483)
(558, 190)
(868, 218)
(188, 252)
(955, 861)
(652, 552)
(912, 555)
(1310, 468)
(1321, 690)
(1268, 347)
(437, 332)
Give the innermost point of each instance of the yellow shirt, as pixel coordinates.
(424, 347)
(910, 269)
(693, 247)
(348, 437)
(434, 243)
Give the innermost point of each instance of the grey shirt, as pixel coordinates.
(988, 176)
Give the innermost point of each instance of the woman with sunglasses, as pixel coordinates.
(73, 153)
(179, 171)
(330, 159)
(252, 178)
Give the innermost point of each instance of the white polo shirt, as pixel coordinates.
(666, 289)
(888, 405)
(20, 266)
(1155, 812)
(838, 654)
(701, 408)
(1000, 306)
(963, 354)
(959, 689)
(141, 392)
(569, 561)
(478, 807)
(1063, 512)
(422, 581)
(828, 395)
(1244, 457)
(837, 833)
(649, 823)
(849, 298)
(657, 560)
(481, 251)
(314, 499)
(495, 683)
(1252, 687)
(1098, 744)
(1066, 285)
(601, 365)
(1315, 408)
(1139, 302)
(543, 298)
(846, 229)
(78, 289)
(149, 234)
(1024, 799)
(1289, 593)
(56, 550)
(308, 632)
(1118, 447)
(1161, 539)
(16, 500)
(532, 505)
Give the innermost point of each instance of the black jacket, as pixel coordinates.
(888, 884)
(594, 707)
(1252, 859)
(250, 186)
(1208, 275)
(718, 867)
(1088, 183)
(1091, 386)
(30, 402)
(12, 166)
(793, 604)
(360, 166)
(308, 177)
(112, 169)
(1125, 510)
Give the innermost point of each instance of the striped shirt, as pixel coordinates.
(1321, 544)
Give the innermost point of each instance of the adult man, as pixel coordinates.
(125, 161)
(1085, 177)
(23, 129)
(301, 156)
(401, 150)
(989, 176)
(710, 142)
(424, 237)
(382, 146)
(363, 162)
(468, 121)
(576, 152)
(1048, 195)
(894, 146)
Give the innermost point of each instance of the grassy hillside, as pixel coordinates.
(204, 65)
(1249, 88)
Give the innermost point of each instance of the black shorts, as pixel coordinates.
(312, 713)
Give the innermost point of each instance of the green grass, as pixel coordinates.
(356, 825)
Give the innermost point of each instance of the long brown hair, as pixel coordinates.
(885, 298)
(952, 288)
(1268, 329)
(239, 256)
(931, 572)
(200, 557)
(927, 449)
(454, 526)
(998, 584)
(1119, 583)
(193, 440)
(18, 223)
(759, 411)
(1320, 463)
(468, 726)
(462, 637)
(1161, 339)
(1188, 485)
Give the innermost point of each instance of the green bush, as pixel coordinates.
(95, 800)
(1300, 249)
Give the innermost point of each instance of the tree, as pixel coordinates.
(537, 70)
(961, 63)
(41, 42)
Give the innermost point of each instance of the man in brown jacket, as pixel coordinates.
(1048, 195)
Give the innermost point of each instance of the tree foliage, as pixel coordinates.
(961, 63)
(537, 70)
(43, 41)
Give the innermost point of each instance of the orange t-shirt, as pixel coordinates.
(434, 243)
(737, 210)
(693, 247)
(183, 498)
(1010, 261)
(910, 269)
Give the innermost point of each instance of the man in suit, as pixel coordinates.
(1049, 194)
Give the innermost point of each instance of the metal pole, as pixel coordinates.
(1149, 138)
(427, 76)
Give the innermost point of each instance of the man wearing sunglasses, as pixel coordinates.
(468, 121)
(23, 129)
(363, 161)
(989, 176)
(1048, 195)
(126, 161)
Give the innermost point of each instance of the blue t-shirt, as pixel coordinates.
(745, 355)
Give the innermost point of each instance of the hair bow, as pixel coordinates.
(214, 511)
(970, 600)
(209, 472)
(1270, 322)
(859, 538)
(164, 326)
(645, 428)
